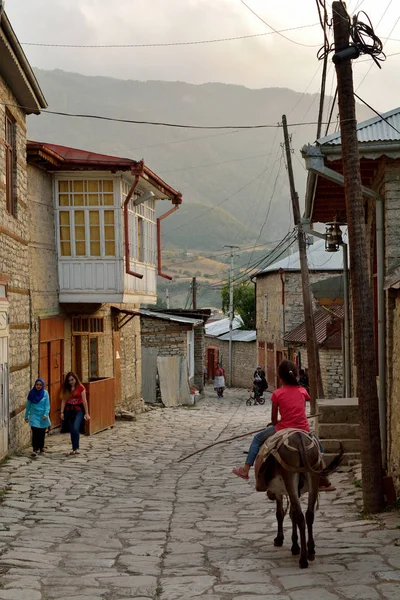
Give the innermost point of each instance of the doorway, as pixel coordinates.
(4, 408)
(51, 362)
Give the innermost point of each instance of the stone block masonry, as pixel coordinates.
(244, 360)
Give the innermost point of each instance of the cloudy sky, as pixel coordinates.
(264, 61)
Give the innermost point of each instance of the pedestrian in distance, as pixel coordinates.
(37, 415)
(288, 401)
(74, 407)
(219, 380)
(260, 383)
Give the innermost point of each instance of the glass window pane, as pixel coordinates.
(94, 248)
(79, 233)
(94, 217)
(79, 200)
(63, 186)
(65, 249)
(64, 217)
(109, 217)
(63, 200)
(108, 199)
(110, 248)
(79, 217)
(93, 185)
(109, 232)
(80, 248)
(108, 186)
(94, 233)
(65, 234)
(94, 200)
(78, 186)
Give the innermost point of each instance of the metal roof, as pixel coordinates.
(318, 260)
(155, 315)
(240, 335)
(217, 328)
(322, 318)
(372, 130)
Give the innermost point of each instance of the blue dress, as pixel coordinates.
(36, 412)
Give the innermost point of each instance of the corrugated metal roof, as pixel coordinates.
(372, 130)
(217, 328)
(240, 335)
(318, 260)
(321, 319)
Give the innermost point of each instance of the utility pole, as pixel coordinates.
(194, 293)
(314, 369)
(167, 297)
(361, 287)
(230, 316)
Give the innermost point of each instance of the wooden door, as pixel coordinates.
(77, 366)
(4, 407)
(279, 358)
(117, 367)
(55, 380)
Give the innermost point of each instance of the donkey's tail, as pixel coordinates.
(303, 452)
(335, 462)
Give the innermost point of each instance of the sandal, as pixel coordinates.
(327, 488)
(240, 472)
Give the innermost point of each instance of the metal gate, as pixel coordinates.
(149, 374)
(4, 408)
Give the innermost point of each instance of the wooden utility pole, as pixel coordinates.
(361, 286)
(194, 293)
(314, 369)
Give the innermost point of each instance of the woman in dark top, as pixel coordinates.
(74, 407)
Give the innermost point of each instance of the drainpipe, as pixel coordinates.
(282, 274)
(346, 346)
(380, 259)
(126, 225)
(159, 219)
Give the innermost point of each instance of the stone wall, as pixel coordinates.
(244, 360)
(331, 361)
(394, 400)
(14, 262)
(199, 353)
(168, 337)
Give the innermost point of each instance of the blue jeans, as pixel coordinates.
(257, 442)
(260, 438)
(74, 429)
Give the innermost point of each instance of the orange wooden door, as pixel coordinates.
(51, 362)
(56, 372)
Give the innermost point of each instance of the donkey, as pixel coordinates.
(292, 468)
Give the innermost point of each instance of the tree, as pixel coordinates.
(244, 303)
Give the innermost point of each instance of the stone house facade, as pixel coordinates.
(18, 88)
(279, 303)
(379, 150)
(244, 356)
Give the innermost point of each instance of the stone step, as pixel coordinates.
(348, 458)
(332, 445)
(338, 431)
(340, 410)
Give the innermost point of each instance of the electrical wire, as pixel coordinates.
(170, 44)
(376, 112)
(275, 30)
(214, 164)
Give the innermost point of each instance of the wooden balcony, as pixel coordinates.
(101, 402)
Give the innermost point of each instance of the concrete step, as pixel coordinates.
(332, 445)
(340, 410)
(348, 458)
(338, 431)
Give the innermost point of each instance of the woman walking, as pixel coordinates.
(74, 407)
(219, 380)
(37, 415)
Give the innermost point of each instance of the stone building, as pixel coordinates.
(244, 356)
(20, 95)
(329, 333)
(379, 148)
(279, 302)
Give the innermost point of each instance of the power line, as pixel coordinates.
(170, 44)
(275, 30)
(377, 113)
(219, 163)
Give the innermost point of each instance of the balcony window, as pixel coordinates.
(142, 228)
(11, 163)
(86, 221)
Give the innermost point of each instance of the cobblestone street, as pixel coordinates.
(125, 520)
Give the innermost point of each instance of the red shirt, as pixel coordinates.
(291, 401)
(76, 397)
(219, 372)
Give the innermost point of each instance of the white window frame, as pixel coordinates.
(141, 218)
(86, 209)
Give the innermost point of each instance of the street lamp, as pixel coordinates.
(333, 237)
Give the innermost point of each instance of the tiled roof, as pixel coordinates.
(322, 318)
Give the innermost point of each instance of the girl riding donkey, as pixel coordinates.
(289, 401)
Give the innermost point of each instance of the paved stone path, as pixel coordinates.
(124, 520)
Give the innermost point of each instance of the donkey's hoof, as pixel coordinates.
(295, 550)
(278, 542)
(303, 563)
(311, 557)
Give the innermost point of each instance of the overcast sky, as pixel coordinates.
(267, 61)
